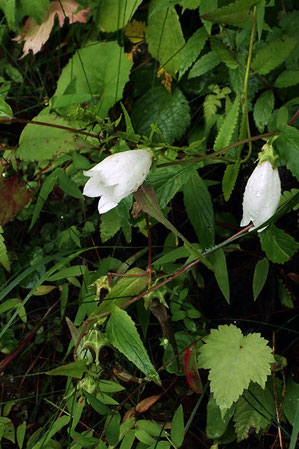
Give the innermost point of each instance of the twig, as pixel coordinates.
(149, 265)
(215, 155)
(50, 125)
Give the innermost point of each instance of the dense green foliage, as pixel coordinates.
(157, 324)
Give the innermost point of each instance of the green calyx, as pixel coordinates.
(267, 154)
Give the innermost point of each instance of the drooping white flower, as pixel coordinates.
(261, 196)
(116, 177)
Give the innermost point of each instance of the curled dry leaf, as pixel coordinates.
(36, 35)
(145, 404)
(129, 414)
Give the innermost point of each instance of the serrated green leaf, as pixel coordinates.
(192, 49)
(177, 427)
(229, 179)
(263, 109)
(205, 7)
(287, 78)
(190, 4)
(273, 54)
(44, 192)
(216, 424)
(234, 361)
(285, 296)
(204, 64)
(232, 14)
(289, 22)
(110, 225)
(199, 207)
(162, 4)
(255, 409)
(260, 13)
(5, 109)
(40, 143)
(123, 212)
(129, 127)
(4, 260)
(165, 37)
(115, 14)
(287, 195)
(169, 111)
(73, 369)
(282, 116)
(68, 186)
(287, 146)
(123, 335)
(278, 246)
(260, 276)
(218, 260)
(99, 69)
(167, 181)
(223, 52)
(228, 126)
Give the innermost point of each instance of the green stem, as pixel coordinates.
(190, 420)
(245, 111)
(218, 153)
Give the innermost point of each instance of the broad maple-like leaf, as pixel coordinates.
(234, 361)
(14, 198)
(36, 35)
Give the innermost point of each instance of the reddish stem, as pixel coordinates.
(149, 238)
(50, 125)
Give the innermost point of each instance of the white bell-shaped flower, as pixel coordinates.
(116, 177)
(261, 196)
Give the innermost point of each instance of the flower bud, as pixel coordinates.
(261, 196)
(116, 177)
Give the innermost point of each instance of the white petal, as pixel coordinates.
(105, 204)
(94, 170)
(94, 187)
(124, 168)
(117, 176)
(261, 196)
